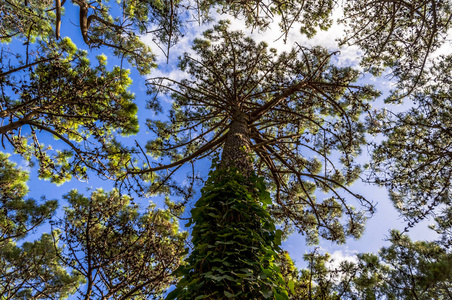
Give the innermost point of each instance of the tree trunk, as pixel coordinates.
(236, 150)
(234, 239)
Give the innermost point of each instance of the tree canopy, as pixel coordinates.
(418, 149)
(119, 252)
(295, 105)
(399, 35)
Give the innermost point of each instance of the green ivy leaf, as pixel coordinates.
(291, 285)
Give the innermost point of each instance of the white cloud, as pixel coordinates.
(445, 48)
(339, 256)
(24, 165)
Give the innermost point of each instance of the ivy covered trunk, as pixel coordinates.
(235, 242)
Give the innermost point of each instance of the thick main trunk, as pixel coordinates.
(233, 235)
(236, 151)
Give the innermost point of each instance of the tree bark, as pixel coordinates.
(236, 149)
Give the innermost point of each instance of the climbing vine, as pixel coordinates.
(236, 244)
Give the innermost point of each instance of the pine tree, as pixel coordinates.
(119, 252)
(31, 270)
(414, 159)
(268, 115)
(404, 270)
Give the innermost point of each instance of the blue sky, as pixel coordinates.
(377, 227)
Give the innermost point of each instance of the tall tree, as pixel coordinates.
(270, 115)
(119, 252)
(18, 216)
(49, 86)
(404, 270)
(414, 160)
(30, 270)
(287, 108)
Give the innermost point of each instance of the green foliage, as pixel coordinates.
(34, 270)
(298, 288)
(413, 161)
(50, 88)
(120, 253)
(320, 280)
(17, 215)
(311, 15)
(82, 105)
(404, 270)
(236, 244)
(323, 278)
(41, 20)
(26, 20)
(400, 35)
(101, 25)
